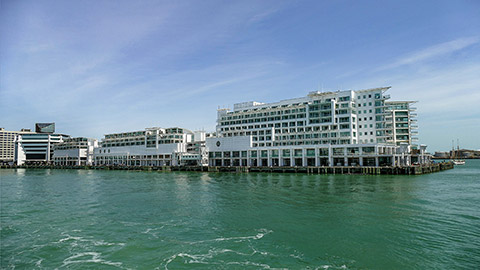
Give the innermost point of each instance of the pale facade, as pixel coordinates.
(152, 147)
(7, 144)
(342, 117)
(75, 151)
(238, 151)
(36, 148)
(401, 123)
(342, 128)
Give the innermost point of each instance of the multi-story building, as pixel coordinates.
(36, 148)
(152, 147)
(7, 144)
(321, 129)
(401, 123)
(75, 151)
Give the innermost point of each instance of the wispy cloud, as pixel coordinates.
(432, 52)
(97, 67)
(263, 15)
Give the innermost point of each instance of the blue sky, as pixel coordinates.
(96, 67)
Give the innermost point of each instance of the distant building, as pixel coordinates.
(75, 151)
(153, 147)
(441, 155)
(45, 128)
(36, 148)
(7, 144)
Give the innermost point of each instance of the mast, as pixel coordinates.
(452, 156)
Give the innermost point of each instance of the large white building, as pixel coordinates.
(36, 148)
(152, 147)
(322, 129)
(7, 144)
(75, 151)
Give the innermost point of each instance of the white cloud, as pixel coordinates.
(432, 52)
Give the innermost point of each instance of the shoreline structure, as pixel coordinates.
(405, 170)
(351, 131)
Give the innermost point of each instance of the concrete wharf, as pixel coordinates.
(361, 170)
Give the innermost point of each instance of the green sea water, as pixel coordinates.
(85, 219)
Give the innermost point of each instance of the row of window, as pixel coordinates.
(305, 142)
(296, 152)
(272, 113)
(138, 157)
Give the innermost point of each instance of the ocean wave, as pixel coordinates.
(219, 255)
(153, 231)
(94, 242)
(259, 235)
(89, 257)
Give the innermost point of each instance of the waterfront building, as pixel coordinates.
(36, 148)
(7, 144)
(401, 123)
(153, 147)
(75, 151)
(322, 129)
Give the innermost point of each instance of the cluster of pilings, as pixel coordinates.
(406, 170)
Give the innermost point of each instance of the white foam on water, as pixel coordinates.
(68, 238)
(94, 257)
(259, 235)
(211, 254)
(103, 243)
(248, 263)
(39, 263)
(76, 239)
(153, 231)
(331, 267)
